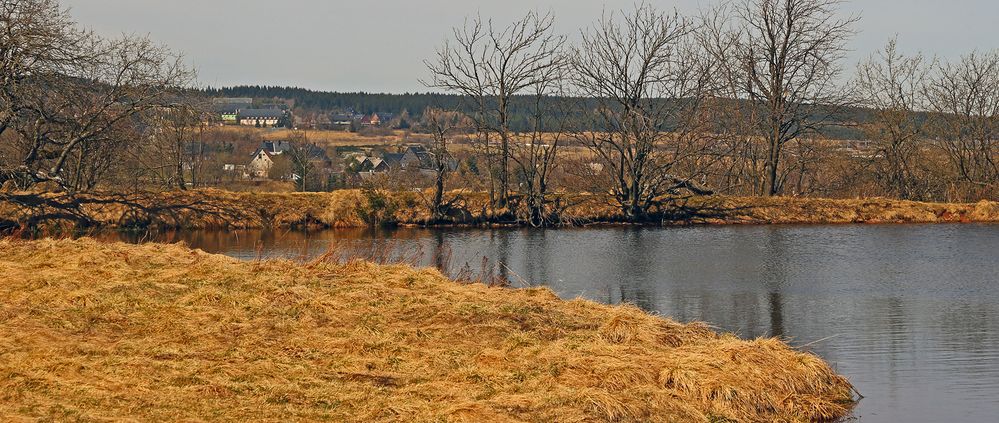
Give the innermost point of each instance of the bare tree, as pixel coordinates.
(443, 125)
(306, 162)
(784, 57)
(72, 107)
(489, 67)
(535, 152)
(964, 99)
(642, 83)
(892, 86)
(71, 95)
(38, 38)
(172, 146)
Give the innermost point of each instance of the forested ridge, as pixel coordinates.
(843, 128)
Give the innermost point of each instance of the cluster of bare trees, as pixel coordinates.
(935, 124)
(497, 69)
(648, 104)
(652, 95)
(643, 106)
(71, 102)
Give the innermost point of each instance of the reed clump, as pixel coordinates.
(93, 331)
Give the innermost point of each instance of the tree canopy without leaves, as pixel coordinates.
(644, 81)
(784, 56)
(72, 98)
(489, 67)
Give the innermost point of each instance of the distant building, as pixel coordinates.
(230, 117)
(275, 147)
(260, 165)
(376, 119)
(228, 108)
(260, 117)
(393, 160)
(246, 102)
(263, 158)
(373, 165)
(236, 171)
(317, 156)
(417, 157)
(342, 119)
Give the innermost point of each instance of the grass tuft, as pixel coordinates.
(93, 331)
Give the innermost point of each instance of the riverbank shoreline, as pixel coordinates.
(162, 332)
(216, 209)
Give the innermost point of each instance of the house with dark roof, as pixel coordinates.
(275, 147)
(373, 165)
(228, 108)
(263, 158)
(342, 119)
(393, 160)
(417, 157)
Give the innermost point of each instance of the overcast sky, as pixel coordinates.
(378, 46)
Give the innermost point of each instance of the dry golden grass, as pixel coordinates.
(788, 210)
(213, 208)
(99, 332)
(327, 138)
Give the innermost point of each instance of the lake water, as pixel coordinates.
(909, 313)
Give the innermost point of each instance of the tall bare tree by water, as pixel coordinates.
(535, 152)
(443, 126)
(784, 57)
(642, 82)
(964, 99)
(892, 85)
(489, 66)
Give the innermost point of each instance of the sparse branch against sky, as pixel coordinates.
(344, 45)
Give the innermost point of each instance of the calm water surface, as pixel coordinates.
(909, 313)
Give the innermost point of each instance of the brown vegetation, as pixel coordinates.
(329, 138)
(215, 209)
(157, 332)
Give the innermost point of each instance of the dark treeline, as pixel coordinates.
(844, 128)
(359, 102)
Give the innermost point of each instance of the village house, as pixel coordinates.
(263, 158)
(261, 117)
(342, 119)
(376, 119)
(235, 171)
(228, 108)
(370, 120)
(373, 165)
(317, 156)
(417, 157)
(260, 165)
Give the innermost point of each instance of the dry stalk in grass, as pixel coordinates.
(94, 331)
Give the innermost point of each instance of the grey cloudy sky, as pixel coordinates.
(378, 46)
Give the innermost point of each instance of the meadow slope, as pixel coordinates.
(96, 332)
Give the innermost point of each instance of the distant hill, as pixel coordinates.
(416, 103)
(359, 102)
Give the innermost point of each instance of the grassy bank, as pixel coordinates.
(97, 331)
(208, 209)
